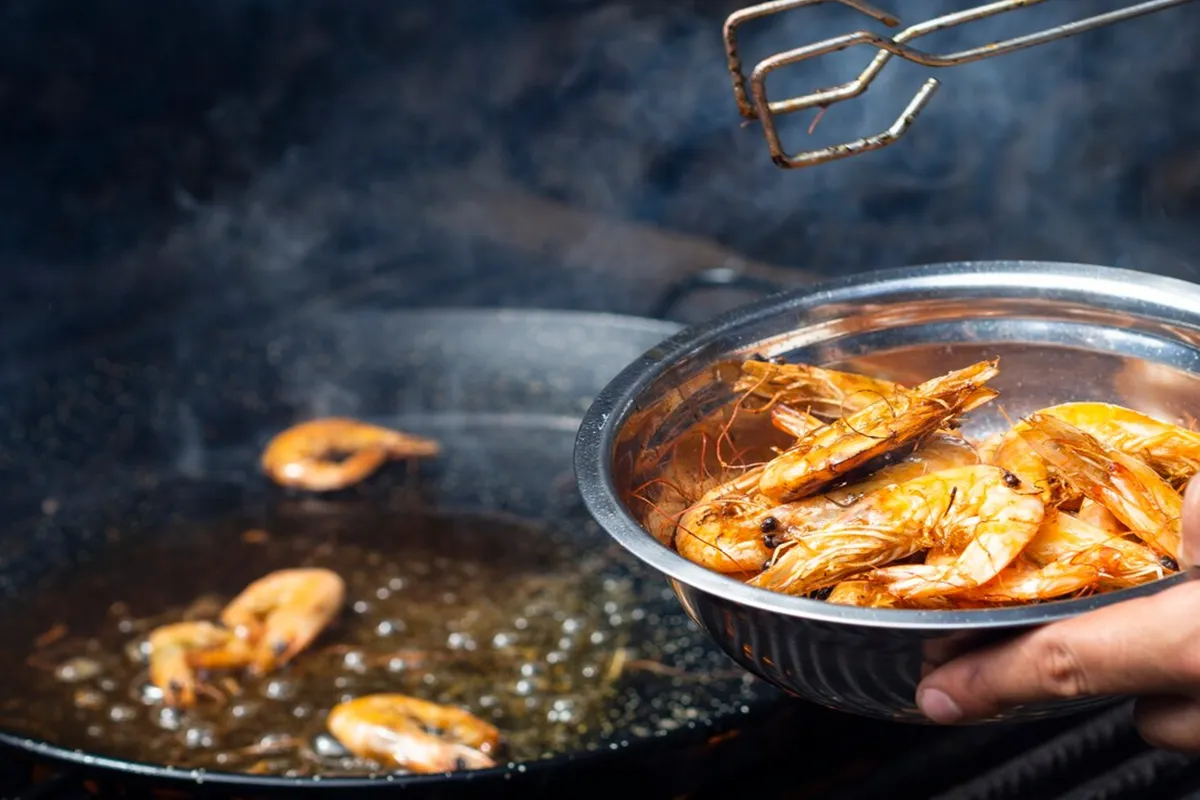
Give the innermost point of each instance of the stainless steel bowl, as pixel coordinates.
(1063, 332)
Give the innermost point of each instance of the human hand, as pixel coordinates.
(1148, 647)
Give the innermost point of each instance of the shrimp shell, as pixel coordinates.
(1129, 488)
(941, 509)
(830, 452)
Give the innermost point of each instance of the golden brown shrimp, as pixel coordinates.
(937, 452)
(399, 731)
(794, 422)
(996, 540)
(724, 531)
(1100, 517)
(824, 392)
(946, 509)
(1063, 537)
(1021, 581)
(829, 453)
(986, 449)
(863, 594)
(282, 613)
(1171, 450)
(733, 531)
(303, 455)
(1014, 454)
(1129, 488)
(1025, 581)
(177, 650)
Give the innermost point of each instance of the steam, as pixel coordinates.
(622, 111)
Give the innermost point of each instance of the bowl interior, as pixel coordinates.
(1080, 338)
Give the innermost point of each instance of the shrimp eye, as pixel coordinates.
(768, 524)
(1010, 480)
(770, 541)
(1169, 563)
(460, 763)
(279, 648)
(777, 360)
(757, 357)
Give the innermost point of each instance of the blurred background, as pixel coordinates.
(230, 161)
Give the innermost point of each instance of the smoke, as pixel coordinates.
(375, 169)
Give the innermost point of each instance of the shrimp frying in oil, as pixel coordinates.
(282, 613)
(403, 732)
(977, 509)
(178, 650)
(849, 443)
(736, 531)
(1135, 494)
(304, 456)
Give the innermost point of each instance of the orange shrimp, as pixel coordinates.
(282, 613)
(1068, 538)
(178, 650)
(1134, 493)
(1024, 582)
(794, 422)
(975, 506)
(1021, 581)
(1171, 450)
(732, 531)
(834, 450)
(824, 392)
(302, 456)
(407, 733)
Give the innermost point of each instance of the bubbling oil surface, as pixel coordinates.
(554, 638)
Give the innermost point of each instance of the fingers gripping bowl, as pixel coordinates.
(1062, 333)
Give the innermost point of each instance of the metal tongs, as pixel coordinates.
(755, 104)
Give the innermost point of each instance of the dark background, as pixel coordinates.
(240, 159)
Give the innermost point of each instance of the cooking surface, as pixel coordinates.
(528, 616)
(175, 170)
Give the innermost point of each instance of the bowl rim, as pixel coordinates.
(1162, 299)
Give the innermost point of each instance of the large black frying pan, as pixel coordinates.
(132, 476)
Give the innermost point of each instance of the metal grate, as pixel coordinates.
(755, 104)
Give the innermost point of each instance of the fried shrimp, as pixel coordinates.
(1068, 538)
(304, 456)
(178, 650)
(959, 507)
(794, 422)
(736, 530)
(403, 732)
(1020, 582)
(1134, 493)
(885, 500)
(282, 613)
(824, 392)
(1170, 450)
(836, 450)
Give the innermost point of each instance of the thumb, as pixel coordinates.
(1141, 646)
(1189, 547)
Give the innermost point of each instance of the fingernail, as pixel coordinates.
(938, 706)
(1191, 523)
